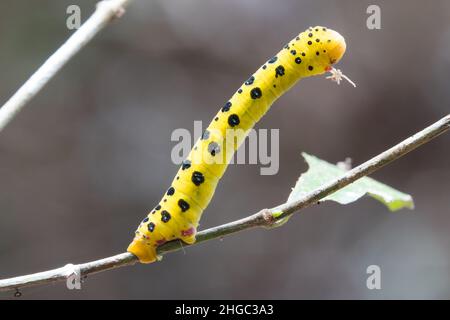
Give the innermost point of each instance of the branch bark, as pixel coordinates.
(264, 218)
(105, 11)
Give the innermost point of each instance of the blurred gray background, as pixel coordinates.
(90, 155)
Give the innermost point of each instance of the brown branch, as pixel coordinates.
(106, 10)
(264, 218)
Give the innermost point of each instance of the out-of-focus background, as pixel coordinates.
(90, 155)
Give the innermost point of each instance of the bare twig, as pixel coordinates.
(106, 10)
(264, 218)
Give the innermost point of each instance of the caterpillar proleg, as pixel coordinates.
(176, 216)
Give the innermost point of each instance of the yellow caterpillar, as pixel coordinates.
(312, 52)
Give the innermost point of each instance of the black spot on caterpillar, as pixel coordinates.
(165, 216)
(170, 191)
(249, 81)
(279, 71)
(185, 165)
(205, 135)
(233, 120)
(197, 178)
(178, 214)
(226, 107)
(213, 148)
(183, 205)
(256, 93)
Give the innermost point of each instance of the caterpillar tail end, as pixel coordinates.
(144, 252)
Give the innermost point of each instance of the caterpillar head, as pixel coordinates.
(335, 46)
(325, 48)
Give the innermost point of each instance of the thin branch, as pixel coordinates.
(106, 11)
(264, 218)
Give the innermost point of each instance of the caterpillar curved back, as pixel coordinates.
(177, 215)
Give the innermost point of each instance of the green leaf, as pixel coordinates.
(321, 172)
